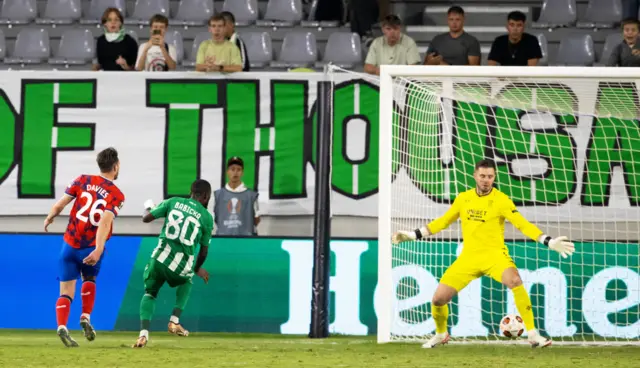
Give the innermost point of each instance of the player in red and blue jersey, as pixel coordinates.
(97, 201)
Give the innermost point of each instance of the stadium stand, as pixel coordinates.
(95, 9)
(602, 14)
(145, 9)
(557, 13)
(265, 24)
(77, 47)
(299, 50)
(282, 13)
(611, 42)
(576, 50)
(61, 12)
(343, 49)
(259, 48)
(245, 11)
(174, 37)
(193, 13)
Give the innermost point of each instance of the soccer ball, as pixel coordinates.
(511, 326)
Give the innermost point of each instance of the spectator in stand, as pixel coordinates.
(156, 55)
(630, 9)
(516, 48)
(392, 48)
(455, 47)
(627, 52)
(115, 50)
(218, 54)
(231, 35)
(363, 15)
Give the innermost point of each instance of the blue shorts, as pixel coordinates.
(71, 266)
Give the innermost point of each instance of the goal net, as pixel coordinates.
(566, 142)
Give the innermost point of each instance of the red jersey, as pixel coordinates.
(93, 195)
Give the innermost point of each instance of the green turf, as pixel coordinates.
(113, 349)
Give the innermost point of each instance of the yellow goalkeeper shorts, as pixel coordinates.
(470, 266)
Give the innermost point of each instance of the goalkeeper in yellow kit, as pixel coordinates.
(482, 212)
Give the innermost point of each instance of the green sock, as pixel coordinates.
(147, 307)
(182, 295)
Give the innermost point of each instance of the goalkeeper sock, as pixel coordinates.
(88, 293)
(440, 315)
(182, 296)
(63, 307)
(147, 307)
(523, 303)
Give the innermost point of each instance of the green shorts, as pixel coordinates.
(156, 274)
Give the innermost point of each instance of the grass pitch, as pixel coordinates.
(113, 349)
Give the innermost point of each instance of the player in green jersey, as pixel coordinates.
(187, 224)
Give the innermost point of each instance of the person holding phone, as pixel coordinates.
(455, 47)
(156, 55)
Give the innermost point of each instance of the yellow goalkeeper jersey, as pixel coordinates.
(482, 219)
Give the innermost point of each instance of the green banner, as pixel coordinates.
(562, 146)
(264, 285)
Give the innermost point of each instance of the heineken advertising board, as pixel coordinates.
(264, 285)
(171, 128)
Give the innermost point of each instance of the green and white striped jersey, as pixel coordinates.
(187, 224)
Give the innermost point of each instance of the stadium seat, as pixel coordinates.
(299, 50)
(18, 11)
(193, 12)
(97, 8)
(200, 37)
(31, 47)
(259, 48)
(576, 50)
(61, 12)
(77, 47)
(282, 13)
(602, 14)
(556, 13)
(133, 34)
(312, 22)
(3, 46)
(175, 38)
(544, 46)
(343, 49)
(145, 9)
(610, 42)
(245, 11)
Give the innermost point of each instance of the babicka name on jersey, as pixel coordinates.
(98, 189)
(185, 208)
(476, 215)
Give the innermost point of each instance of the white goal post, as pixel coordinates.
(567, 144)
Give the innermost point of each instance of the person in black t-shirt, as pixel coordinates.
(116, 50)
(516, 48)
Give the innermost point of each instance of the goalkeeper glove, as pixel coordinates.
(560, 245)
(148, 204)
(403, 236)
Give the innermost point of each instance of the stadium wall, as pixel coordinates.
(264, 285)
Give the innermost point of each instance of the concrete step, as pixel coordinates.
(490, 15)
(489, 33)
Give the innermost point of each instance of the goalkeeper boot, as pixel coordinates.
(437, 339)
(537, 341)
(63, 334)
(141, 342)
(177, 329)
(89, 332)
